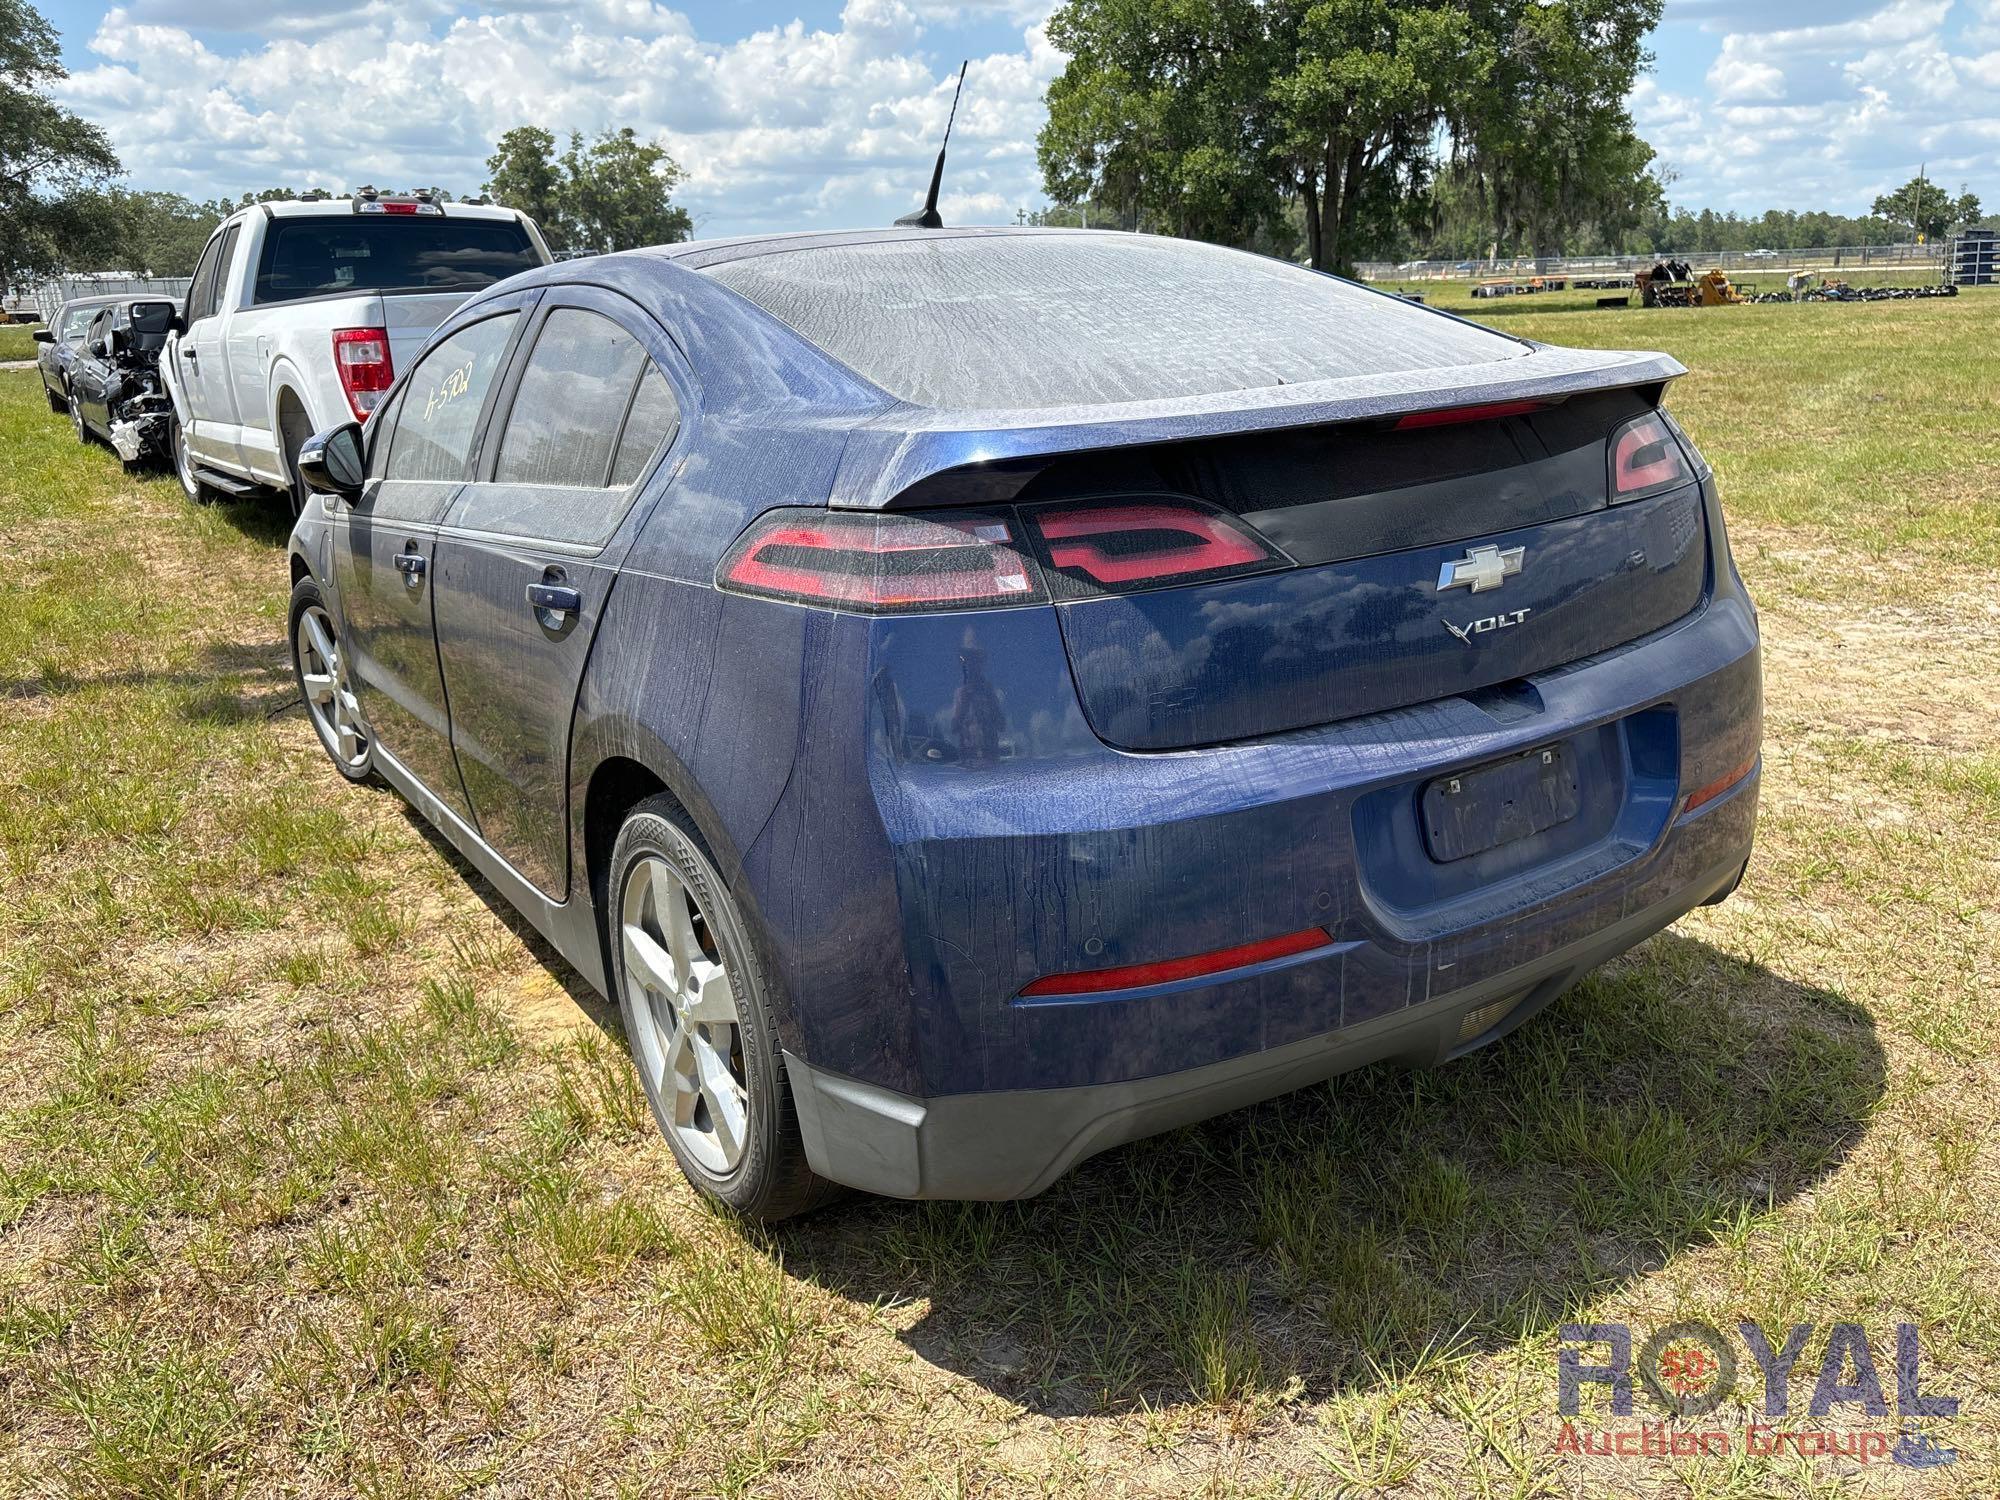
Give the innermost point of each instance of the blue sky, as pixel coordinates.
(790, 114)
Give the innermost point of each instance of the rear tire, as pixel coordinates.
(666, 897)
(293, 430)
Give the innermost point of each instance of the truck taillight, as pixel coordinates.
(361, 355)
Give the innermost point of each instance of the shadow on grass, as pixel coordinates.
(1343, 1236)
(210, 696)
(601, 1013)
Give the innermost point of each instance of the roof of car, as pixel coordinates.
(103, 300)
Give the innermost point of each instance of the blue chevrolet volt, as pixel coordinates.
(976, 697)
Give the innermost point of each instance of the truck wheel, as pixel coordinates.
(699, 1020)
(293, 430)
(183, 462)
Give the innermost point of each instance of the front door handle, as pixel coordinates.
(554, 599)
(412, 566)
(187, 352)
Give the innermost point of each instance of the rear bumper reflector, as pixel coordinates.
(1166, 971)
(1717, 787)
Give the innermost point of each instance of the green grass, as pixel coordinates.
(17, 341)
(315, 1179)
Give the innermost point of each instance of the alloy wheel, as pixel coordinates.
(336, 714)
(76, 419)
(689, 1034)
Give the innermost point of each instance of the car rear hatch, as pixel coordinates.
(1409, 563)
(1253, 583)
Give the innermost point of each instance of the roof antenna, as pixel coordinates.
(927, 217)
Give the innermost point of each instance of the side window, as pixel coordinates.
(203, 284)
(650, 425)
(573, 395)
(219, 284)
(589, 413)
(380, 427)
(438, 411)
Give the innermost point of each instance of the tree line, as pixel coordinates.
(1335, 131)
(1324, 130)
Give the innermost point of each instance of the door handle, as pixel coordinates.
(412, 566)
(554, 599)
(187, 353)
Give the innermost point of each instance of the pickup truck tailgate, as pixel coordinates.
(410, 317)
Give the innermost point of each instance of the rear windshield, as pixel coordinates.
(406, 253)
(1008, 321)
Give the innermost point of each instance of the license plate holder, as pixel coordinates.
(1480, 809)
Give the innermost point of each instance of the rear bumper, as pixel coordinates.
(1014, 1143)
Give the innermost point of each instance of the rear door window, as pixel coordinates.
(590, 411)
(318, 257)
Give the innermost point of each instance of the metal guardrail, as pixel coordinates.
(51, 295)
(1840, 257)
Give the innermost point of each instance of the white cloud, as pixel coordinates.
(790, 127)
(1829, 114)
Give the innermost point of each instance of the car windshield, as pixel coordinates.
(979, 322)
(405, 252)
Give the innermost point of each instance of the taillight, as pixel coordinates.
(880, 564)
(361, 356)
(1063, 551)
(1116, 546)
(1646, 457)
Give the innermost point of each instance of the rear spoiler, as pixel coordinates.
(908, 444)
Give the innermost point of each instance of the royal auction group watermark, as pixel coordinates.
(1688, 1370)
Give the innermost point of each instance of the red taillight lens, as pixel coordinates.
(1119, 545)
(1645, 457)
(361, 356)
(878, 564)
(1137, 976)
(1454, 414)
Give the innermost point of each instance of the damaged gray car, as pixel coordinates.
(115, 391)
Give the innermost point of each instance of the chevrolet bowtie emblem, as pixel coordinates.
(1481, 568)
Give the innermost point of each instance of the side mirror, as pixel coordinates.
(45, 336)
(176, 324)
(330, 462)
(97, 347)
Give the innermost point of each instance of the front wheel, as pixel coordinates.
(183, 461)
(320, 666)
(76, 419)
(699, 1020)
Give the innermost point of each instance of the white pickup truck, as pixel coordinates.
(301, 313)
